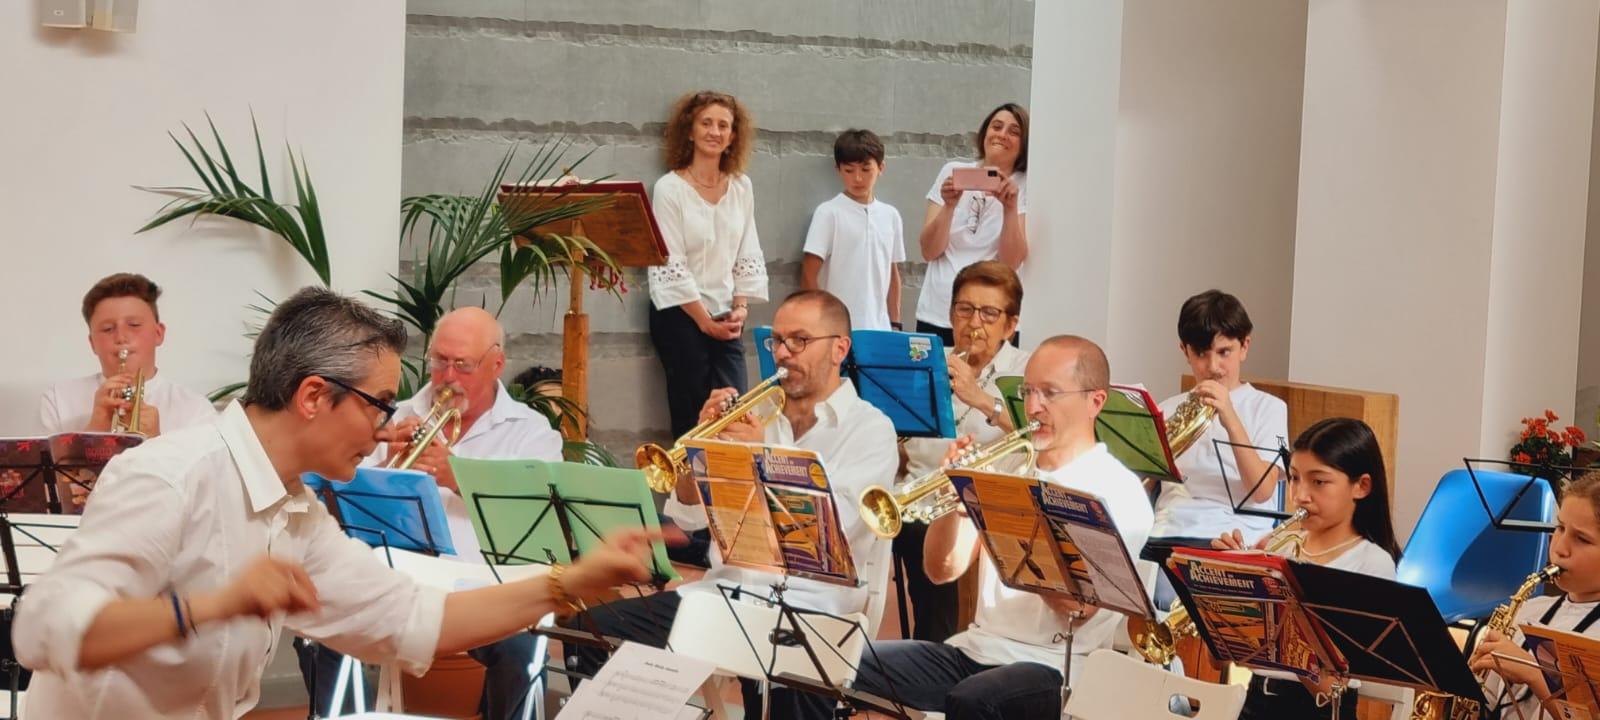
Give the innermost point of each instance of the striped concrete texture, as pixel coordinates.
(484, 75)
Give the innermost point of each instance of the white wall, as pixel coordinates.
(1208, 145)
(86, 116)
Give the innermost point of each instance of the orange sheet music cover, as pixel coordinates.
(1571, 666)
(1248, 608)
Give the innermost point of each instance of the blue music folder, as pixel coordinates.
(403, 505)
(902, 374)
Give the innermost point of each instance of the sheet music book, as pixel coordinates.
(1049, 539)
(1135, 433)
(1248, 607)
(771, 509)
(1571, 666)
(29, 464)
(640, 681)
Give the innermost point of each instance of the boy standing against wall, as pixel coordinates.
(856, 240)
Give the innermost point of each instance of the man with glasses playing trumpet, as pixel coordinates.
(984, 315)
(465, 359)
(822, 413)
(1006, 664)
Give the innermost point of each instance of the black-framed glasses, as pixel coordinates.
(387, 407)
(796, 344)
(989, 313)
(462, 367)
(1047, 395)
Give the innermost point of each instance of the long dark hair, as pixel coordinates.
(1348, 445)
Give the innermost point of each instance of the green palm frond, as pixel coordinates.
(226, 194)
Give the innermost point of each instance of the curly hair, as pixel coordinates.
(678, 148)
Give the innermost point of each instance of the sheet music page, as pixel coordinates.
(639, 682)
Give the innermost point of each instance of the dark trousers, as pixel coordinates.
(507, 677)
(937, 677)
(949, 335)
(1272, 699)
(935, 609)
(648, 620)
(695, 364)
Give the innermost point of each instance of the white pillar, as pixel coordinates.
(1442, 199)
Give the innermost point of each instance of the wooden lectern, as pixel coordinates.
(626, 230)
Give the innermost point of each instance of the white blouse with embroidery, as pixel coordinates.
(713, 253)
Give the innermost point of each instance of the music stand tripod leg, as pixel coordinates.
(1066, 661)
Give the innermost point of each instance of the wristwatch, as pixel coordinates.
(994, 412)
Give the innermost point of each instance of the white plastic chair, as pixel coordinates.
(1101, 692)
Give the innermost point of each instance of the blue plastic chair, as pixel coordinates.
(1457, 554)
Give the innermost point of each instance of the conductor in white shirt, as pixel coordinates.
(823, 413)
(1007, 663)
(121, 313)
(200, 546)
(466, 355)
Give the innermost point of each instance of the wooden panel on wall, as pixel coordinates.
(1310, 403)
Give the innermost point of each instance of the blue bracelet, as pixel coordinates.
(177, 609)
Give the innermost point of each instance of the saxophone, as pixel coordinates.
(1157, 642)
(1439, 706)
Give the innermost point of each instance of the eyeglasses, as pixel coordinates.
(1047, 395)
(437, 363)
(796, 344)
(388, 408)
(989, 313)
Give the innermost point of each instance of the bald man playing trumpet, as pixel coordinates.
(467, 356)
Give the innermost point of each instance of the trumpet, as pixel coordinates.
(931, 495)
(1188, 422)
(662, 467)
(440, 416)
(1438, 706)
(128, 421)
(1157, 642)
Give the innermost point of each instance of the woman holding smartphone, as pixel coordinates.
(705, 207)
(975, 212)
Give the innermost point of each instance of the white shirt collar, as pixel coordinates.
(261, 482)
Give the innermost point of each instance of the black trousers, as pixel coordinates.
(935, 609)
(1274, 699)
(695, 364)
(648, 620)
(937, 677)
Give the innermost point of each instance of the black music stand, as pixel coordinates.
(1241, 506)
(53, 463)
(18, 677)
(1500, 506)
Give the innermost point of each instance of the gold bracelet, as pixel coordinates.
(565, 605)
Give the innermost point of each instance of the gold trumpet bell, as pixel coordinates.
(661, 467)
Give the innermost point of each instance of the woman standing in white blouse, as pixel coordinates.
(706, 210)
(964, 227)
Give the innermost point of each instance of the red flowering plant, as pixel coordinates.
(1542, 450)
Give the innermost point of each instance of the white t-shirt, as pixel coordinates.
(974, 237)
(1566, 618)
(1201, 506)
(859, 245)
(1014, 626)
(67, 406)
(924, 455)
(509, 431)
(713, 252)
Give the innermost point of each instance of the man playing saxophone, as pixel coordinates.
(1005, 665)
(810, 339)
(1575, 549)
(466, 357)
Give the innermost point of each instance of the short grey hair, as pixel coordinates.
(317, 332)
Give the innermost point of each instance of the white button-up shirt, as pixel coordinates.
(509, 431)
(857, 445)
(187, 512)
(713, 252)
(1017, 626)
(67, 406)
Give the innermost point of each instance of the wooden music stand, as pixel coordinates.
(625, 229)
